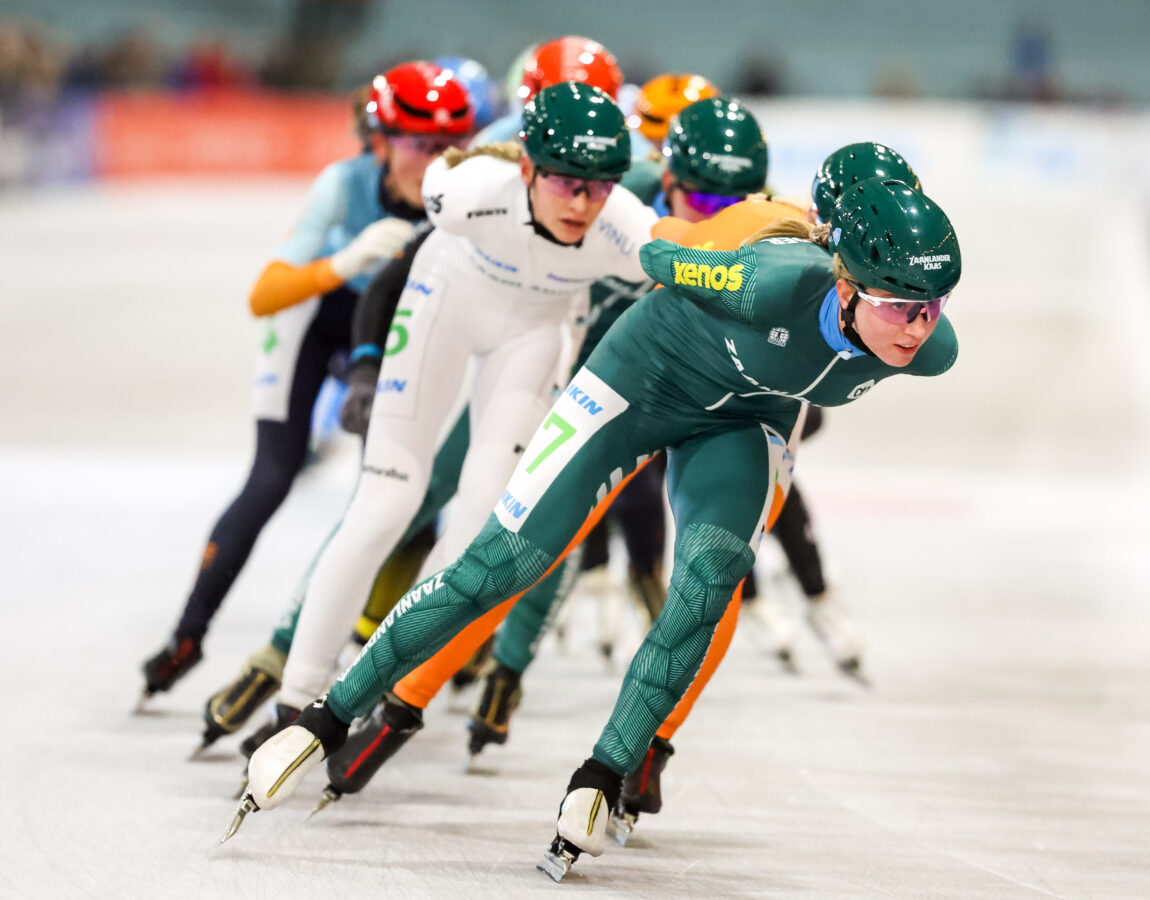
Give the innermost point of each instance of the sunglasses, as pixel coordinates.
(428, 144)
(569, 188)
(896, 311)
(704, 203)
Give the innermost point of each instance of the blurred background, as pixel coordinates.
(988, 528)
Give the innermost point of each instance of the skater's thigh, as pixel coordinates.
(586, 445)
(728, 478)
(420, 380)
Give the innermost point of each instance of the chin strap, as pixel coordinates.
(847, 317)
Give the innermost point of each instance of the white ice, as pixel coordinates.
(986, 529)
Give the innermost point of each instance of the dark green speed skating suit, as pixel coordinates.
(715, 367)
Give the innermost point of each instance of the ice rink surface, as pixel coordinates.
(988, 531)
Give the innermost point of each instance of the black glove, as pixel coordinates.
(356, 410)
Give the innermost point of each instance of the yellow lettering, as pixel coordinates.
(704, 276)
(718, 278)
(735, 277)
(691, 275)
(678, 272)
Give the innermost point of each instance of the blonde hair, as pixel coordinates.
(798, 228)
(511, 151)
(359, 100)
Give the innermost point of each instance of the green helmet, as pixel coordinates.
(716, 146)
(576, 129)
(893, 237)
(851, 164)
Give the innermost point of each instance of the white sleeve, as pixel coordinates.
(462, 199)
(629, 224)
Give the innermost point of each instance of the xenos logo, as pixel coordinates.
(717, 278)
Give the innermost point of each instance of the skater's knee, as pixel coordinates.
(710, 561)
(497, 565)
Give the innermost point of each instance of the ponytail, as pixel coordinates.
(797, 228)
(511, 151)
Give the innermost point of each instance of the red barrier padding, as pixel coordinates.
(220, 133)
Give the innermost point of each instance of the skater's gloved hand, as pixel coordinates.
(380, 241)
(356, 410)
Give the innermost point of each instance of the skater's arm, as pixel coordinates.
(295, 274)
(625, 223)
(466, 194)
(376, 307)
(719, 279)
(725, 230)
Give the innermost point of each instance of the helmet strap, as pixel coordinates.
(847, 318)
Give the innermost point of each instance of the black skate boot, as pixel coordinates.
(490, 722)
(391, 725)
(582, 826)
(228, 709)
(469, 671)
(641, 792)
(282, 716)
(280, 764)
(169, 665)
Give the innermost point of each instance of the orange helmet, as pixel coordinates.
(571, 58)
(664, 96)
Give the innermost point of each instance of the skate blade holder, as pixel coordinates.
(557, 863)
(620, 826)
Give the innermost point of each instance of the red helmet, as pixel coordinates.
(419, 98)
(571, 58)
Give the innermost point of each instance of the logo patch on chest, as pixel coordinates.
(861, 389)
(779, 336)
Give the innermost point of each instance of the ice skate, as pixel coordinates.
(777, 625)
(601, 584)
(582, 825)
(641, 791)
(279, 765)
(229, 708)
(282, 716)
(391, 725)
(490, 721)
(172, 663)
(830, 622)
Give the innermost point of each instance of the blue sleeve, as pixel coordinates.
(326, 207)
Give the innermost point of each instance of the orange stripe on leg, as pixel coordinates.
(423, 682)
(720, 641)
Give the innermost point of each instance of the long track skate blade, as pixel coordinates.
(141, 706)
(620, 826)
(330, 795)
(247, 805)
(556, 865)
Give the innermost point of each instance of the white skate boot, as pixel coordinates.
(583, 815)
(776, 623)
(829, 620)
(278, 766)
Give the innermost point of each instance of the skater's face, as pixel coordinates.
(567, 207)
(894, 342)
(686, 203)
(407, 158)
